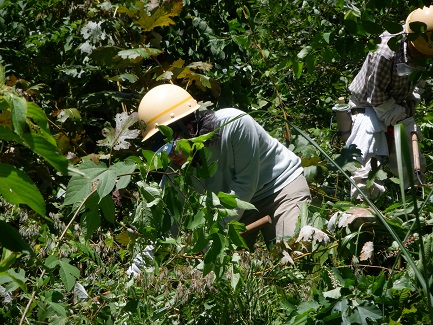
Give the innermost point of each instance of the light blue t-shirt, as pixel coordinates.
(251, 163)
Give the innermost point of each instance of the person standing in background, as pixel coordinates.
(384, 93)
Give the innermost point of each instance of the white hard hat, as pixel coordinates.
(423, 43)
(163, 105)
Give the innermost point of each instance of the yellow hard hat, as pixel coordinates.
(422, 43)
(163, 105)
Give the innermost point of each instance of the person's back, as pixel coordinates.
(251, 163)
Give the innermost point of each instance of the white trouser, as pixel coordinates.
(360, 176)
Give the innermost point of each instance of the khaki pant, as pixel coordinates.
(284, 209)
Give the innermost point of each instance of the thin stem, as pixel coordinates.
(55, 247)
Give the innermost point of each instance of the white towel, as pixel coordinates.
(368, 134)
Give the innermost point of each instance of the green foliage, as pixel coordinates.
(82, 194)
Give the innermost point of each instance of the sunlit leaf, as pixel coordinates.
(304, 52)
(36, 115)
(18, 107)
(161, 16)
(233, 232)
(206, 66)
(69, 114)
(68, 273)
(197, 220)
(138, 54)
(48, 150)
(80, 185)
(368, 311)
(80, 293)
(17, 188)
(367, 251)
(116, 137)
(227, 200)
(333, 294)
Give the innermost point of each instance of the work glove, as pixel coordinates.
(390, 112)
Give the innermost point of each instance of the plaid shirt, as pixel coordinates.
(378, 81)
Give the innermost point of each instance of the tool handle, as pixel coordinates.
(415, 148)
(256, 225)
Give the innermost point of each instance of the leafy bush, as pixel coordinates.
(81, 195)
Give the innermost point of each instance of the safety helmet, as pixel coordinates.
(164, 105)
(422, 43)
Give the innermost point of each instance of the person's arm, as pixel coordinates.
(385, 106)
(379, 78)
(414, 98)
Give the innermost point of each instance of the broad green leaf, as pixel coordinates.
(153, 161)
(372, 27)
(90, 219)
(368, 311)
(14, 280)
(51, 261)
(123, 169)
(327, 37)
(244, 205)
(199, 240)
(297, 68)
(300, 319)
(8, 257)
(333, 294)
(197, 220)
(206, 169)
(11, 239)
(106, 182)
(227, 200)
(304, 52)
(212, 197)
(132, 78)
(138, 54)
(17, 188)
(47, 150)
(36, 115)
(106, 56)
(233, 232)
(58, 309)
(207, 268)
(205, 81)
(216, 248)
(108, 208)
(166, 75)
(80, 185)
(378, 285)
(308, 306)
(68, 273)
(69, 114)
(18, 113)
(235, 277)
